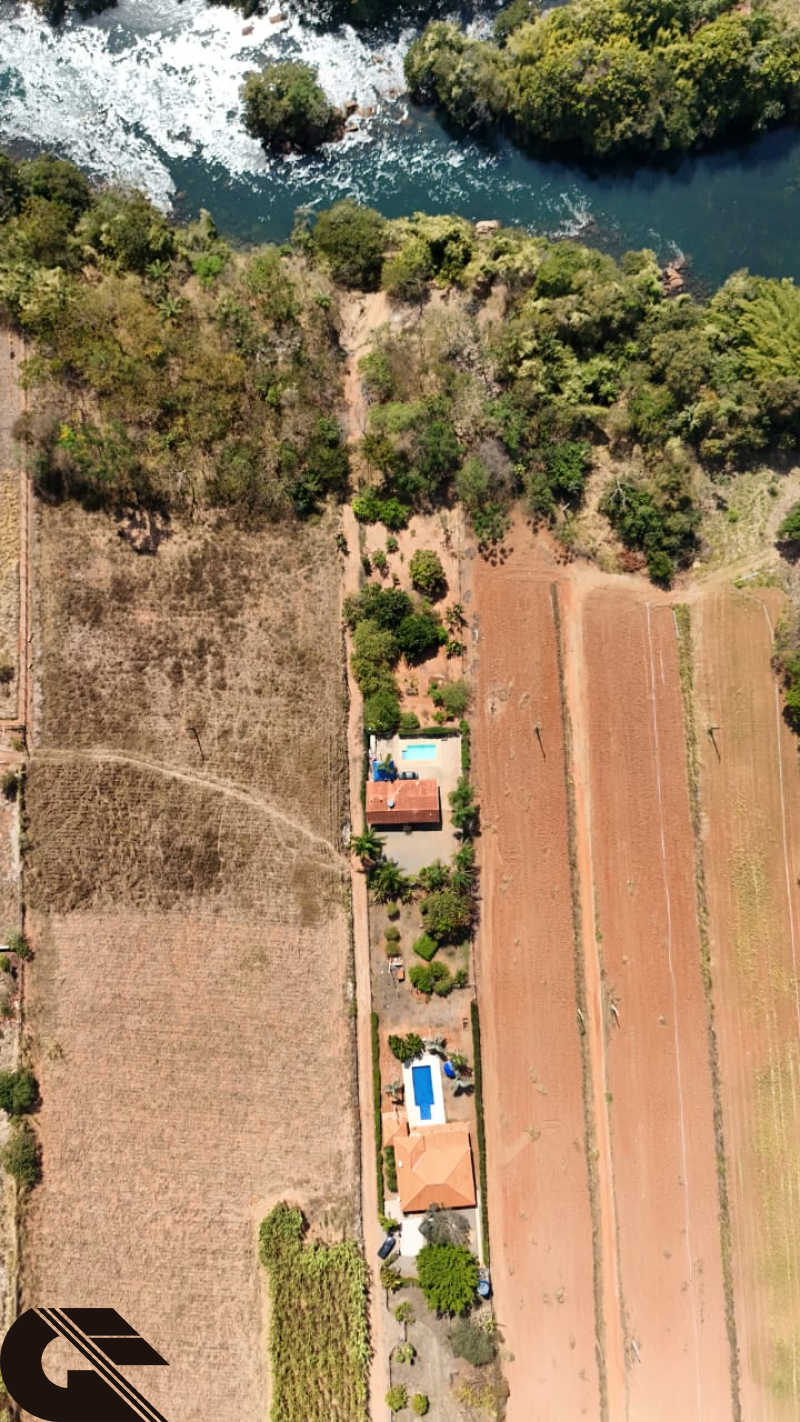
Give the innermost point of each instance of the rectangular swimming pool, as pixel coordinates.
(418, 752)
(422, 1078)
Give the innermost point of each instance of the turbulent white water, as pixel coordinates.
(155, 80)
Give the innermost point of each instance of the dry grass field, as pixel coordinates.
(9, 589)
(749, 794)
(188, 1004)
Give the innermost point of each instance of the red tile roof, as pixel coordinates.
(403, 802)
(434, 1167)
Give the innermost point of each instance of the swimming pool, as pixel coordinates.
(422, 1079)
(418, 752)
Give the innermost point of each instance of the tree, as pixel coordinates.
(406, 1049)
(406, 275)
(790, 527)
(353, 238)
(448, 1277)
(404, 1313)
(420, 635)
(367, 846)
(19, 1092)
(397, 1397)
(447, 915)
(430, 978)
(382, 711)
(285, 107)
(452, 697)
(472, 1343)
(427, 573)
(391, 1278)
(464, 810)
(388, 882)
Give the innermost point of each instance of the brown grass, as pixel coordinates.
(187, 1012)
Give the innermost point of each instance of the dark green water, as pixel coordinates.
(148, 94)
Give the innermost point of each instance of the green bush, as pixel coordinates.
(466, 748)
(19, 1092)
(353, 239)
(452, 697)
(790, 527)
(448, 1277)
(427, 573)
(426, 947)
(420, 1405)
(406, 1049)
(420, 635)
(391, 1169)
(393, 911)
(464, 811)
(397, 1397)
(406, 275)
(392, 934)
(17, 943)
(431, 978)
(409, 721)
(369, 507)
(382, 712)
(21, 1156)
(447, 915)
(285, 107)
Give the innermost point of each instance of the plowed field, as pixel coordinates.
(750, 797)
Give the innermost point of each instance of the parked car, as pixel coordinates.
(408, 775)
(387, 1247)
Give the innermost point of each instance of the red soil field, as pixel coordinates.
(540, 1217)
(749, 790)
(657, 1060)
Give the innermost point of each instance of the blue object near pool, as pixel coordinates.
(422, 1079)
(418, 752)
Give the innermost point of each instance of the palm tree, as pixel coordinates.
(368, 846)
(404, 1313)
(387, 881)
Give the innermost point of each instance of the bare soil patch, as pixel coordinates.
(749, 792)
(659, 1081)
(188, 1006)
(539, 1210)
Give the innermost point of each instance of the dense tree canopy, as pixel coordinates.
(613, 76)
(285, 107)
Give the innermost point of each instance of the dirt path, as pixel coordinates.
(12, 403)
(101, 754)
(608, 1231)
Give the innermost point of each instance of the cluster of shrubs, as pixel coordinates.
(614, 76)
(20, 1156)
(388, 624)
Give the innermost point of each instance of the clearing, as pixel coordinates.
(188, 1006)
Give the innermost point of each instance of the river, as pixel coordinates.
(147, 94)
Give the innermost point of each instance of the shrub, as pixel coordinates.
(393, 911)
(19, 1092)
(472, 1343)
(448, 1277)
(18, 943)
(453, 697)
(466, 748)
(426, 947)
(9, 784)
(6, 672)
(406, 1049)
(464, 811)
(427, 573)
(391, 1169)
(406, 275)
(790, 527)
(285, 107)
(447, 915)
(420, 1405)
(369, 507)
(460, 978)
(21, 1157)
(409, 721)
(353, 239)
(397, 1397)
(430, 978)
(392, 934)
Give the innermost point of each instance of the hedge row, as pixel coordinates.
(466, 747)
(376, 1098)
(478, 1080)
(423, 732)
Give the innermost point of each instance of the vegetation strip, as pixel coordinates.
(480, 1127)
(581, 1003)
(683, 627)
(318, 1336)
(376, 1101)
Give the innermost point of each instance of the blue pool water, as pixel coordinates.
(422, 1079)
(418, 752)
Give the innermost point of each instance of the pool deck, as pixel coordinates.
(437, 1116)
(423, 844)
